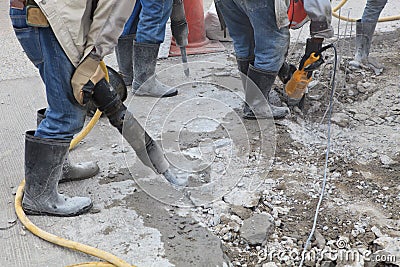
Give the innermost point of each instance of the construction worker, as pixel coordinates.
(66, 43)
(137, 50)
(260, 33)
(365, 28)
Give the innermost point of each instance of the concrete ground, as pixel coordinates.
(135, 215)
(126, 221)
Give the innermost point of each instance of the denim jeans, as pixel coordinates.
(252, 26)
(152, 20)
(372, 10)
(64, 116)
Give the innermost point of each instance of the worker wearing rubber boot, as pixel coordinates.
(52, 37)
(72, 171)
(60, 45)
(137, 51)
(260, 33)
(365, 28)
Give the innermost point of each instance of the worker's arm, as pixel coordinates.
(109, 18)
(320, 14)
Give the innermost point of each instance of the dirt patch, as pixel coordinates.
(362, 192)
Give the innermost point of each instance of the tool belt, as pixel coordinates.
(17, 4)
(34, 15)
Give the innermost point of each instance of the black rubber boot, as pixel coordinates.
(145, 82)
(124, 53)
(257, 96)
(71, 171)
(43, 166)
(243, 66)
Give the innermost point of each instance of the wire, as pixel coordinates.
(326, 160)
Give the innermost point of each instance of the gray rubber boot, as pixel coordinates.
(43, 165)
(71, 171)
(124, 53)
(257, 91)
(78, 171)
(148, 150)
(145, 82)
(364, 33)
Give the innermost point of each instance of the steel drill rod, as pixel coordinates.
(185, 61)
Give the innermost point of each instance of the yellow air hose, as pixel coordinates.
(111, 260)
(94, 119)
(341, 4)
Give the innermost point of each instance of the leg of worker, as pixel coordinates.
(372, 10)
(72, 171)
(365, 28)
(45, 149)
(369, 20)
(124, 53)
(124, 48)
(241, 32)
(64, 116)
(271, 45)
(150, 34)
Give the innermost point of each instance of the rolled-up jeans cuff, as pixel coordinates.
(317, 26)
(250, 59)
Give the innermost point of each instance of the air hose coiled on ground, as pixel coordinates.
(111, 260)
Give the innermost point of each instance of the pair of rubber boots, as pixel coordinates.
(257, 86)
(137, 65)
(46, 165)
(364, 34)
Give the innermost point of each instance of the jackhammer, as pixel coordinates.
(106, 99)
(298, 79)
(180, 31)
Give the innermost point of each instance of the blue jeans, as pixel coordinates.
(153, 17)
(252, 26)
(64, 116)
(372, 10)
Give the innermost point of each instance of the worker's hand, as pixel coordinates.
(85, 77)
(313, 45)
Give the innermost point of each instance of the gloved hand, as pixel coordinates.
(313, 45)
(179, 25)
(85, 77)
